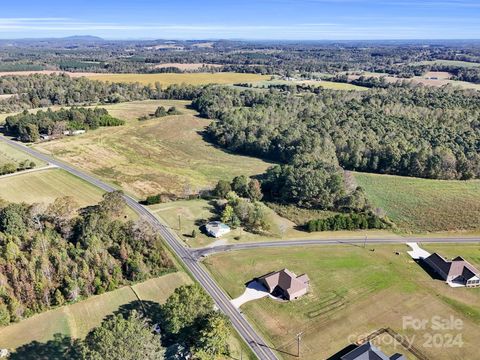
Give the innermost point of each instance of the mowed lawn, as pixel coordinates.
(193, 213)
(421, 205)
(166, 154)
(354, 291)
(44, 186)
(76, 320)
(166, 79)
(9, 154)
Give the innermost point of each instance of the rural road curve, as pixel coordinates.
(190, 257)
(254, 341)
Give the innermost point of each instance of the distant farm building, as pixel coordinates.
(217, 228)
(285, 284)
(457, 271)
(77, 132)
(368, 351)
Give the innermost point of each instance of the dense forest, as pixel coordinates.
(402, 130)
(46, 90)
(28, 127)
(305, 58)
(50, 255)
(40, 90)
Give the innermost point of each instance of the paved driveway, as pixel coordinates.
(254, 291)
(417, 252)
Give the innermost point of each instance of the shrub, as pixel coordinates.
(347, 222)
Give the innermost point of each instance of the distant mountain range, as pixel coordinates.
(82, 38)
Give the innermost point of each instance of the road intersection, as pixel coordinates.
(190, 257)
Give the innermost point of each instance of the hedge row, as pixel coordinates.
(347, 222)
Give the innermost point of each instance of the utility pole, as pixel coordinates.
(299, 337)
(365, 241)
(179, 223)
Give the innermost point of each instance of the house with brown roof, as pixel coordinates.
(368, 351)
(285, 284)
(455, 272)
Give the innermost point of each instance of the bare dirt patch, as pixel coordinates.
(438, 75)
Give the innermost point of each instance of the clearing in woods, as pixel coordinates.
(159, 155)
(354, 291)
(425, 205)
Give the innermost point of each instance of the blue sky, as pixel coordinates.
(246, 19)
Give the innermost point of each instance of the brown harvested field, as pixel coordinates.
(441, 75)
(354, 291)
(425, 80)
(166, 154)
(185, 67)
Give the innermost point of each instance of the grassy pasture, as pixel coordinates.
(354, 292)
(47, 185)
(457, 63)
(9, 154)
(157, 155)
(425, 205)
(191, 212)
(76, 320)
(425, 80)
(167, 79)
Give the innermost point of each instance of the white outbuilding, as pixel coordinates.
(217, 228)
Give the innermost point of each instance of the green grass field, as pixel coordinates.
(47, 185)
(76, 320)
(158, 155)
(421, 205)
(354, 291)
(191, 212)
(424, 79)
(9, 154)
(167, 79)
(449, 63)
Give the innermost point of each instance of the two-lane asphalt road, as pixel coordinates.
(190, 256)
(202, 252)
(255, 342)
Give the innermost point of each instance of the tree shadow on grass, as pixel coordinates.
(151, 310)
(61, 347)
